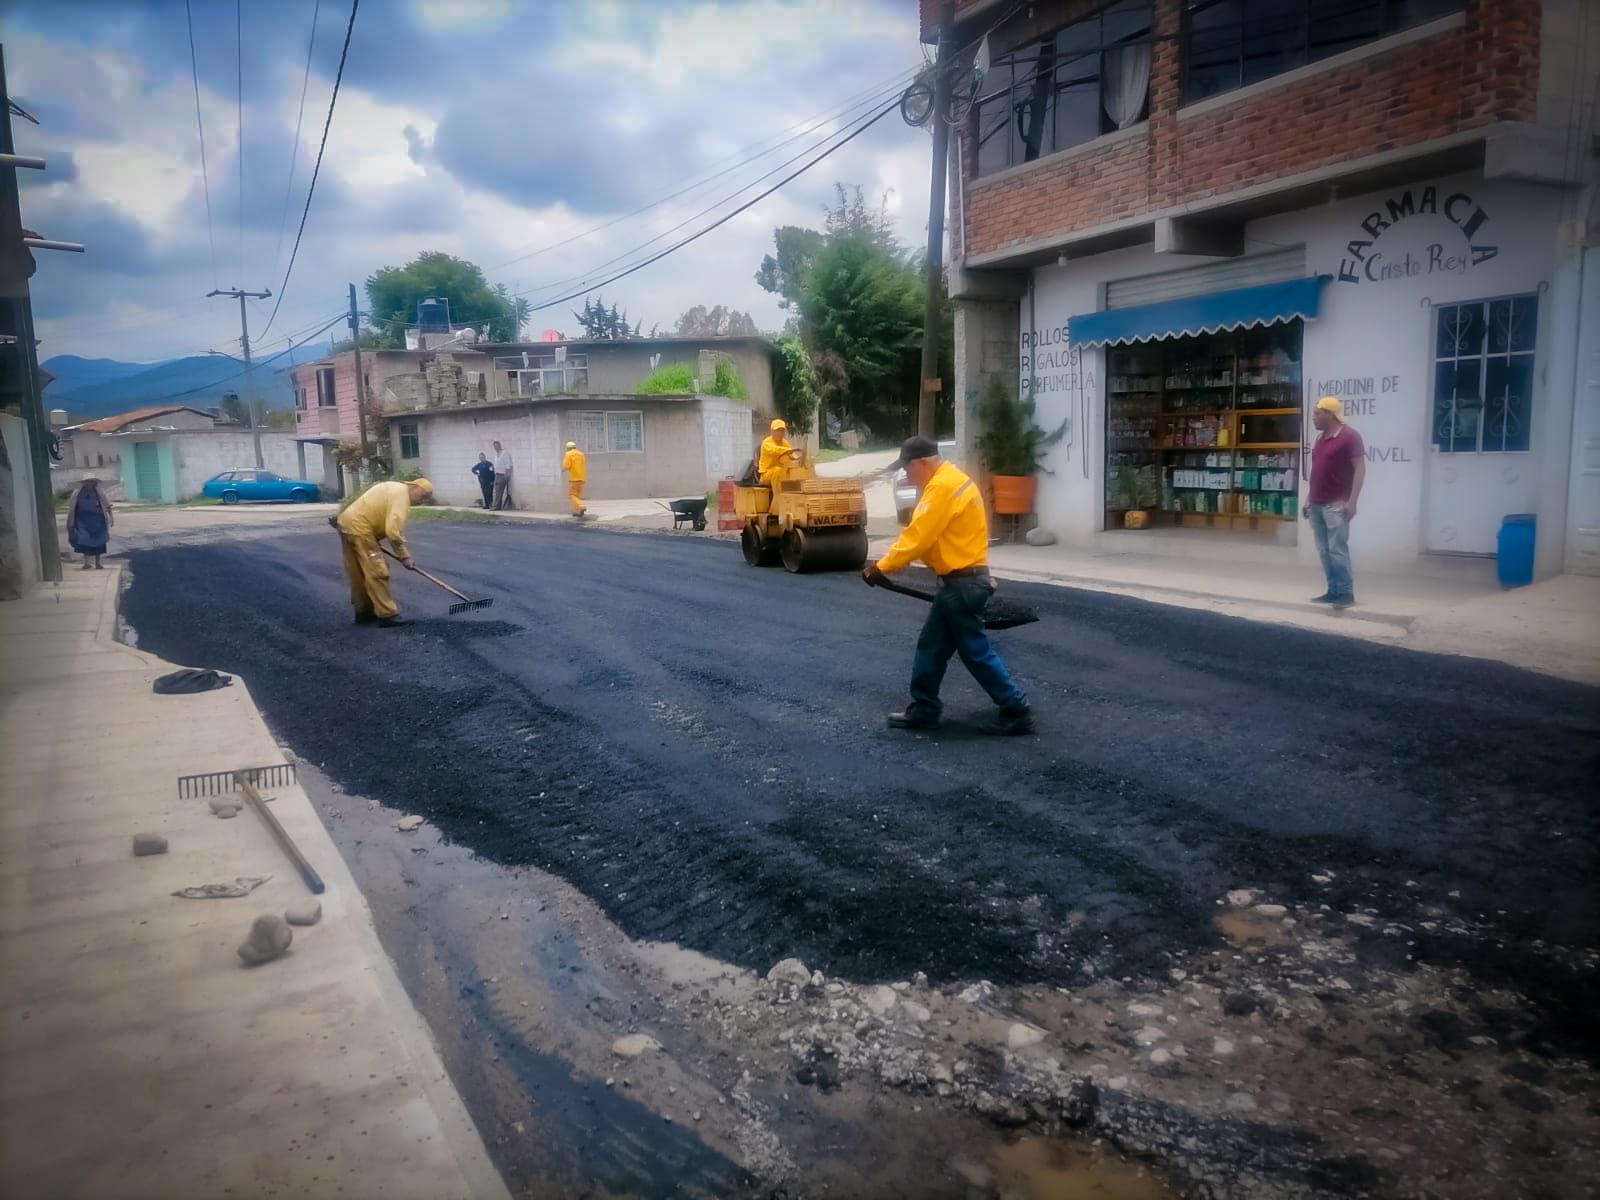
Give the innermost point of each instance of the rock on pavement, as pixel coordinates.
(149, 843)
(790, 970)
(634, 1045)
(308, 913)
(268, 938)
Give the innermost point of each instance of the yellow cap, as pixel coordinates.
(778, 424)
(421, 483)
(572, 445)
(1333, 405)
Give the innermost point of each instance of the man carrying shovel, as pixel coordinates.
(379, 512)
(950, 533)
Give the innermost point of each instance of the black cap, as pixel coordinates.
(915, 447)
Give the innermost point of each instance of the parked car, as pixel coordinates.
(905, 495)
(233, 486)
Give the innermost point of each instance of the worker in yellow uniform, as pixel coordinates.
(950, 533)
(378, 513)
(576, 468)
(776, 453)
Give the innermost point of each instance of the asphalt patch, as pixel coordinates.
(699, 746)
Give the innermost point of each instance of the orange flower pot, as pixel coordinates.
(1013, 494)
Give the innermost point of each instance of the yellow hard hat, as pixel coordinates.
(1332, 404)
(572, 445)
(778, 424)
(420, 483)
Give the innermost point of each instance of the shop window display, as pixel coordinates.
(1205, 431)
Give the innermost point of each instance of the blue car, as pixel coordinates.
(233, 486)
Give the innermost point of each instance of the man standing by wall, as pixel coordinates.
(950, 532)
(484, 470)
(1338, 469)
(575, 466)
(502, 477)
(379, 512)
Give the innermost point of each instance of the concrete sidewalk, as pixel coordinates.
(138, 1058)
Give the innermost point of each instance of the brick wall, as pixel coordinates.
(1463, 79)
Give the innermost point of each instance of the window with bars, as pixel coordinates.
(608, 432)
(1483, 375)
(1232, 43)
(1090, 78)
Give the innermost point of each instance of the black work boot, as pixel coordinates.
(911, 720)
(392, 622)
(1012, 724)
(366, 618)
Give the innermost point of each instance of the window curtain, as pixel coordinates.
(1125, 81)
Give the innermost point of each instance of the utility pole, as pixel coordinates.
(17, 322)
(361, 382)
(931, 384)
(249, 367)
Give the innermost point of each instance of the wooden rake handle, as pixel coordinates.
(430, 578)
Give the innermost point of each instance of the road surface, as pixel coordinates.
(699, 748)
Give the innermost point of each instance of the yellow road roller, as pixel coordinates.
(806, 523)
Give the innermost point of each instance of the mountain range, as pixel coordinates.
(91, 388)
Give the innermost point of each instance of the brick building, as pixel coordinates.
(1179, 222)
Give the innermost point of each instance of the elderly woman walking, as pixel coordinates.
(89, 521)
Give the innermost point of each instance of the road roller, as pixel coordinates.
(805, 523)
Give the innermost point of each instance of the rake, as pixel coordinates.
(246, 783)
(998, 614)
(467, 602)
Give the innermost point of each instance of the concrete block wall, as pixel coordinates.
(19, 542)
(451, 440)
(729, 431)
(1479, 72)
(199, 455)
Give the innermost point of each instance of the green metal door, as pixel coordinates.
(147, 470)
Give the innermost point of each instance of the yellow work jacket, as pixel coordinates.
(380, 512)
(572, 462)
(949, 531)
(774, 454)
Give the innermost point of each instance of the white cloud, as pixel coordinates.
(466, 15)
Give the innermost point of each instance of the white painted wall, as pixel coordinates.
(451, 442)
(19, 531)
(1377, 327)
(200, 454)
(728, 428)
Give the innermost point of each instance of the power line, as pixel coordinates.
(807, 126)
(704, 211)
(725, 218)
(294, 152)
(312, 190)
(205, 178)
(206, 387)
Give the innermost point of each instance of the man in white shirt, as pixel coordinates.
(502, 477)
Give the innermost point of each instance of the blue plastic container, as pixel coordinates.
(1514, 557)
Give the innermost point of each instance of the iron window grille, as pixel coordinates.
(410, 443)
(1483, 375)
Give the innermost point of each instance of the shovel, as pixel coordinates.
(467, 602)
(998, 614)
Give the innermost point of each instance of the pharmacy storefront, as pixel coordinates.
(1187, 383)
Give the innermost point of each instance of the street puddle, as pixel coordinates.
(1248, 928)
(1042, 1169)
(680, 966)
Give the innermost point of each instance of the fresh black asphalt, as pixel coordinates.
(699, 746)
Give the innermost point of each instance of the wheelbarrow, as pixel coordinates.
(687, 512)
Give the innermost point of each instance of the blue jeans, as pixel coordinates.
(955, 626)
(1333, 546)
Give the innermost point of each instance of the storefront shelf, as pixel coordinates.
(1267, 446)
(1245, 410)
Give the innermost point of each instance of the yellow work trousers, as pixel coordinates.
(575, 496)
(368, 572)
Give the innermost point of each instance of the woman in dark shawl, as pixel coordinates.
(89, 521)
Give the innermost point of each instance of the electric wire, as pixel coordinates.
(725, 218)
(206, 387)
(294, 151)
(238, 41)
(864, 97)
(344, 54)
(205, 177)
(694, 217)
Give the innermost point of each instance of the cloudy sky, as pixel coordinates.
(491, 129)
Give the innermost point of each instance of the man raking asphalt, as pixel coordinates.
(378, 513)
(950, 533)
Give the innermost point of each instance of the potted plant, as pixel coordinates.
(1013, 447)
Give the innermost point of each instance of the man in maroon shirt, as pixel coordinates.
(1338, 469)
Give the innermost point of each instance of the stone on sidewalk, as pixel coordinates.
(149, 843)
(308, 913)
(408, 824)
(633, 1045)
(268, 938)
(225, 806)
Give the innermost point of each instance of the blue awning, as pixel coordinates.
(1242, 308)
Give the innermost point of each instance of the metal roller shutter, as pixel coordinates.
(1277, 267)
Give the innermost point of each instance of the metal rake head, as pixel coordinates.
(219, 783)
(469, 605)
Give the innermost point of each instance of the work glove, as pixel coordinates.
(871, 576)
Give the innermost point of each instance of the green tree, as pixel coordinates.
(393, 293)
(598, 321)
(794, 382)
(781, 273)
(720, 321)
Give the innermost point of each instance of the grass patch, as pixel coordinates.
(833, 454)
(421, 512)
(198, 502)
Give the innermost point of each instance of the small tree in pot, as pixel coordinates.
(1013, 447)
